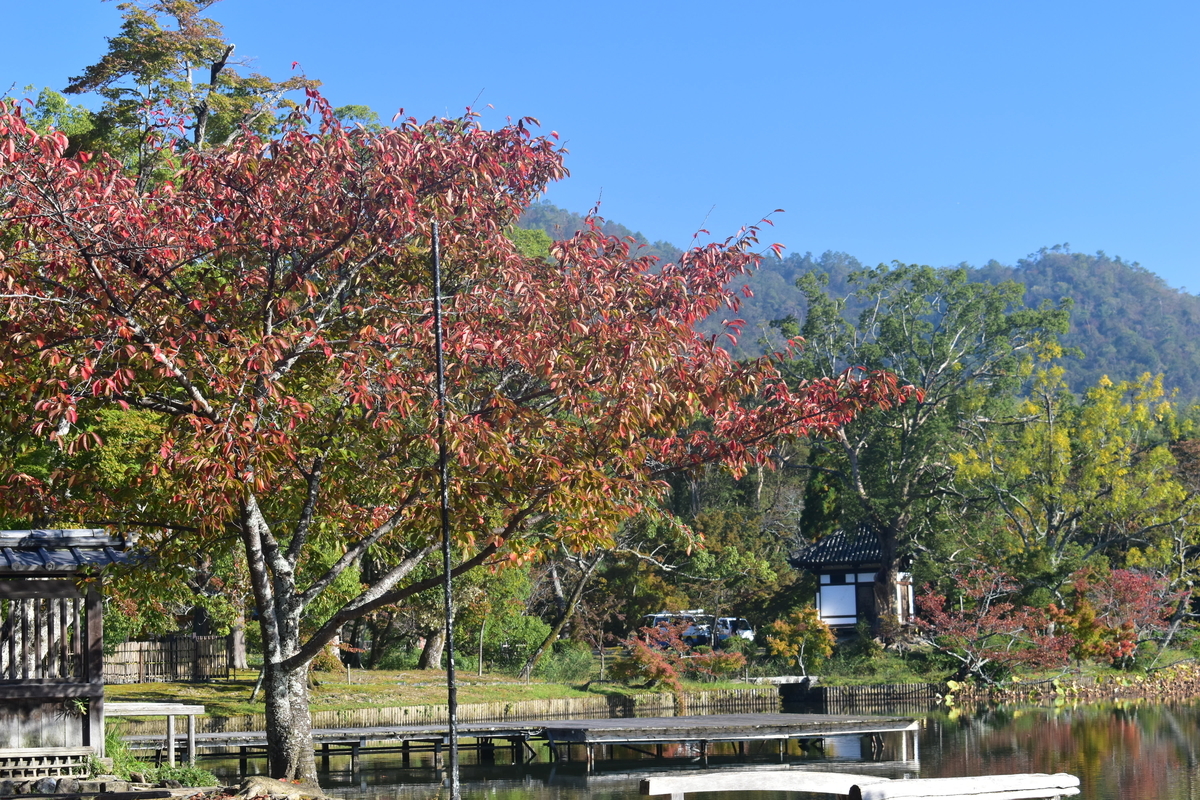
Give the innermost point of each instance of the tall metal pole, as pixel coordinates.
(444, 473)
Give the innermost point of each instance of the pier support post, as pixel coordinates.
(191, 740)
(325, 757)
(171, 740)
(704, 753)
(405, 748)
(243, 765)
(437, 754)
(591, 757)
(354, 748)
(658, 750)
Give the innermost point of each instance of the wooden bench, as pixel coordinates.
(168, 710)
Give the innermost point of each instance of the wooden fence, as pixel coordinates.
(176, 658)
(717, 701)
(884, 698)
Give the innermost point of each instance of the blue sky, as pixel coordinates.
(926, 132)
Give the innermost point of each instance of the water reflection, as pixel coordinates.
(1120, 751)
(1123, 750)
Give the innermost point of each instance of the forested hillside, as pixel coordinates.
(1125, 321)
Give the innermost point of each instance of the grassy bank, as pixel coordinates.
(375, 688)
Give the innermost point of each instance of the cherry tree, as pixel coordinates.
(268, 305)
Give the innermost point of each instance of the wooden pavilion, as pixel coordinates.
(51, 648)
(847, 566)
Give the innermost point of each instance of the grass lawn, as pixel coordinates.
(364, 689)
(367, 688)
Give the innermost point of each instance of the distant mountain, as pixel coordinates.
(561, 224)
(1126, 320)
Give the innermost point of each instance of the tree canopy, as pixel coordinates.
(269, 304)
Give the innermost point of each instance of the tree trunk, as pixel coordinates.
(289, 726)
(237, 640)
(201, 621)
(564, 615)
(887, 581)
(237, 645)
(353, 656)
(1177, 618)
(431, 654)
(381, 638)
(560, 601)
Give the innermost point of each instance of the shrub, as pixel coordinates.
(651, 665)
(803, 634)
(568, 662)
(713, 664)
(186, 774)
(986, 632)
(124, 764)
(507, 648)
(1111, 614)
(327, 660)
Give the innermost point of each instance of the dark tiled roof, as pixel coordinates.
(841, 548)
(61, 551)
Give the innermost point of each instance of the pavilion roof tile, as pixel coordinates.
(861, 547)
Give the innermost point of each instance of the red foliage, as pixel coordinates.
(1110, 613)
(985, 631)
(659, 654)
(269, 304)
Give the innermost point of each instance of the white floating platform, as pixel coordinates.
(1025, 786)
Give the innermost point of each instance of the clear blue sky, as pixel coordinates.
(927, 132)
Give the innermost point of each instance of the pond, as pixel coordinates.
(1121, 751)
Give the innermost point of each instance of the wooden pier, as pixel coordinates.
(559, 735)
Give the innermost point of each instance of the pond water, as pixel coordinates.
(1121, 751)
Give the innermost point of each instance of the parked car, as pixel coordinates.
(733, 627)
(696, 627)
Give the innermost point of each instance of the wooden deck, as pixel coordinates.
(561, 734)
(718, 728)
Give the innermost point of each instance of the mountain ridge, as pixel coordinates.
(1126, 320)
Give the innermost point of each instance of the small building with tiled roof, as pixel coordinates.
(51, 648)
(846, 566)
